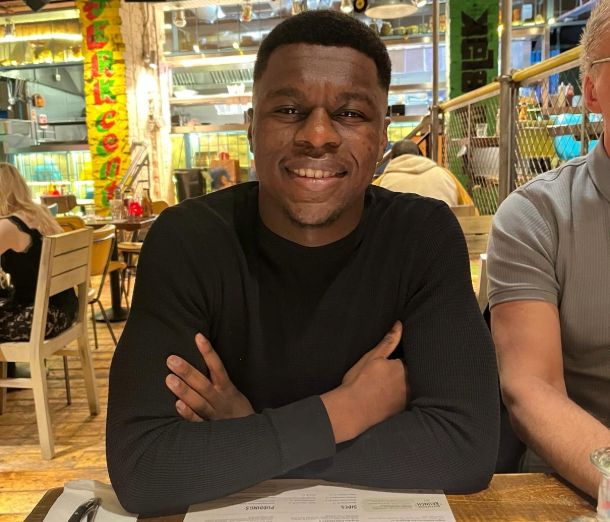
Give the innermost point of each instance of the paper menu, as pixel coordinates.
(301, 500)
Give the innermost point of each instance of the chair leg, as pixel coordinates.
(3, 375)
(67, 379)
(107, 322)
(124, 289)
(88, 374)
(94, 325)
(41, 404)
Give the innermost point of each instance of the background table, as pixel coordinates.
(118, 313)
(526, 497)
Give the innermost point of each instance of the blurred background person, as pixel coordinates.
(409, 171)
(23, 223)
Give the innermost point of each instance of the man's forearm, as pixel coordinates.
(557, 429)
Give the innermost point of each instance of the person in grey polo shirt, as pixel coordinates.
(549, 293)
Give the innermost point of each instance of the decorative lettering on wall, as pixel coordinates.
(105, 95)
(473, 44)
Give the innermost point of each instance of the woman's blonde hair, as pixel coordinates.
(16, 198)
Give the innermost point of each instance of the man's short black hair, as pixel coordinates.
(328, 28)
(405, 146)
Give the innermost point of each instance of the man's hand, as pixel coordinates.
(373, 390)
(201, 398)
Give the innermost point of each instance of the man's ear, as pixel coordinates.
(250, 137)
(250, 114)
(590, 93)
(384, 139)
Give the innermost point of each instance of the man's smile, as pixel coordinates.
(316, 173)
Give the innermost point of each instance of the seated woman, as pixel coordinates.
(23, 223)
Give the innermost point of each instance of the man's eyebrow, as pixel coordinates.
(291, 92)
(356, 96)
(288, 92)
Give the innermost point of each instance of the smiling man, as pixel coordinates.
(287, 310)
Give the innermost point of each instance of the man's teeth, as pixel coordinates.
(313, 173)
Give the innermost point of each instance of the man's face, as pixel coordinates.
(596, 86)
(317, 131)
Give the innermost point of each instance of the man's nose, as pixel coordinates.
(318, 130)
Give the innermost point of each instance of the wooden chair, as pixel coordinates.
(482, 298)
(69, 223)
(464, 210)
(159, 206)
(476, 232)
(101, 265)
(131, 249)
(64, 264)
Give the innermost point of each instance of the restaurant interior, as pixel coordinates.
(183, 92)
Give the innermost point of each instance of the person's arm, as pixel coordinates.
(448, 436)
(528, 344)
(524, 295)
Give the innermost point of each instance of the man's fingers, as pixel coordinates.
(187, 413)
(192, 377)
(217, 369)
(389, 342)
(190, 397)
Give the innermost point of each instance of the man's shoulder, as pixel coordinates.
(555, 182)
(547, 195)
(219, 205)
(385, 199)
(406, 209)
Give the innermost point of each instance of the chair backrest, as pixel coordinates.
(64, 264)
(101, 250)
(476, 231)
(482, 296)
(463, 210)
(69, 223)
(53, 208)
(190, 183)
(159, 206)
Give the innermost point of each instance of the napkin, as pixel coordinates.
(78, 491)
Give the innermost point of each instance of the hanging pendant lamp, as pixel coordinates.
(388, 9)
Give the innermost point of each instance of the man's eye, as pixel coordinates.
(350, 114)
(288, 110)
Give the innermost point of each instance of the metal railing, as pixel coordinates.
(140, 163)
(546, 123)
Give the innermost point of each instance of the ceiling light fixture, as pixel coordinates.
(179, 18)
(346, 6)
(388, 9)
(421, 3)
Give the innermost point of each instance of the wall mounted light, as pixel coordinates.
(180, 18)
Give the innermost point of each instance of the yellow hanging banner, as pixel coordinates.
(105, 95)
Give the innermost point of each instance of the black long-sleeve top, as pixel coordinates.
(288, 321)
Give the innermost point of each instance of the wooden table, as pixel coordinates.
(118, 313)
(526, 497)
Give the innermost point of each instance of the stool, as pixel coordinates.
(130, 250)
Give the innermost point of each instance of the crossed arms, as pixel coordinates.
(160, 463)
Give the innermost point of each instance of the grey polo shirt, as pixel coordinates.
(550, 241)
